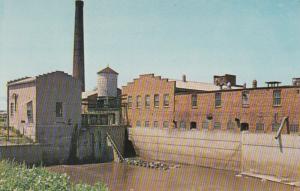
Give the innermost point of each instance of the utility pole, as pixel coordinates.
(7, 112)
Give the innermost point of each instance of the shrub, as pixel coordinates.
(18, 178)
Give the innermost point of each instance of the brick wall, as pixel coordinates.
(150, 85)
(258, 112)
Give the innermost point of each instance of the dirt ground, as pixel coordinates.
(121, 177)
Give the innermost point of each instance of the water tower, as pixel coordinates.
(107, 83)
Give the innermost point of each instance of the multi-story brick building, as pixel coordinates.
(162, 103)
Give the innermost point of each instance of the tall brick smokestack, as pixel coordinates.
(78, 55)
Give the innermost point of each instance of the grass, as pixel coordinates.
(19, 177)
(15, 137)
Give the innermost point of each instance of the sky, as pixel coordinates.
(252, 39)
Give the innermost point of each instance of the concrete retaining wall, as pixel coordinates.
(30, 153)
(263, 154)
(92, 143)
(216, 149)
(243, 152)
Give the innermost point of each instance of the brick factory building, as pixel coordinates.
(162, 103)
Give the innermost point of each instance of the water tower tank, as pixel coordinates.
(107, 82)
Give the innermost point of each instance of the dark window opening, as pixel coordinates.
(277, 98)
(156, 100)
(217, 125)
(275, 127)
(294, 128)
(182, 124)
(147, 101)
(138, 101)
(166, 100)
(260, 127)
(147, 124)
(244, 126)
(194, 100)
(59, 109)
(205, 124)
(231, 125)
(129, 102)
(193, 125)
(218, 99)
(245, 98)
(12, 109)
(29, 112)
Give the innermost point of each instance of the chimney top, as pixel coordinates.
(184, 78)
(254, 84)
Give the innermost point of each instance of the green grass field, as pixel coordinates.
(18, 177)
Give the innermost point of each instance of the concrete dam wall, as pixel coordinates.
(93, 145)
(82, 146)
(241, 152)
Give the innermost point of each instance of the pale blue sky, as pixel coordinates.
(252, 39)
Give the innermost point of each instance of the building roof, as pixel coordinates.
(107, 70)
(32, 79)
(87, 94)
(190, 85)
(21, 80)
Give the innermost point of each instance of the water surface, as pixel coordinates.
(121, 177)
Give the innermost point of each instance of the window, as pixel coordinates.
(260, 127)
(276, 97)
(193, 125)
(166, 100)
(218, 100)
(12, 106)
(245, 98)
(29, 112)
(138, 101)
(275, 127)
(155, 124)
(166, 124)
(294, 128)
(129, 102)
(156, 100)
(59, 109)
(205, 124)
(147, 101)
(217, 125)
(147, 124)
(138, 123)
(182, 125)
(230, 124)
(194, 100)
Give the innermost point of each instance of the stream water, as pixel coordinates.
(122, 177)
